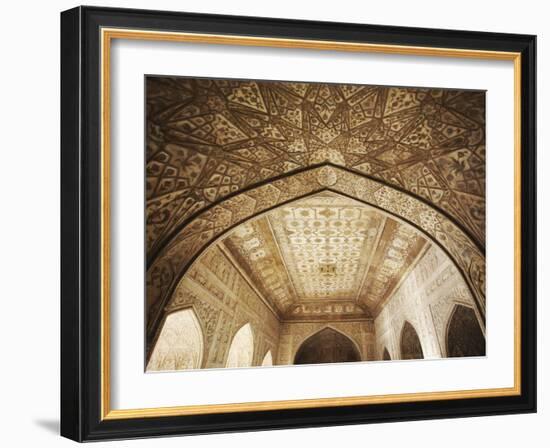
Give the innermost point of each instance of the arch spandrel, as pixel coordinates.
(194, 238)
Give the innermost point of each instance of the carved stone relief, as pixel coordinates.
(425, 299)
(293, 334)
(284, 208)
(208, 138)
(194, 238)
(224, 303)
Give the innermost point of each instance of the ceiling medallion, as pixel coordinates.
(327, 177)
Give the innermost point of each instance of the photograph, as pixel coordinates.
(290, 223)
(273, 223)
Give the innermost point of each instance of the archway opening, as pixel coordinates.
(464, 335)
(180, 344)
(268, 359)
(411, 348)
(386, 355)
(241, 350)
(327, 346)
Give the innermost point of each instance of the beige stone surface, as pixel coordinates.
(425, 299)
(278, 209)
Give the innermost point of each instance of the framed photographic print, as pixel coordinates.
(276, 224)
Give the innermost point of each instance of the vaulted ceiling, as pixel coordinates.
(221, 151)
(209, 138)
(325, 254)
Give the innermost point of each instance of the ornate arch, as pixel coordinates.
(267, 360)
(181, 343)
(208, 139)
(244, 334)
(173, 261)
(407, 331)
(315, 332)
(475, 332)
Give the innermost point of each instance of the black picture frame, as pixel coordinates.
(81, 224)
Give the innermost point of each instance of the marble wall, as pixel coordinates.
(224, 302)
(425, 298)
(293, 334)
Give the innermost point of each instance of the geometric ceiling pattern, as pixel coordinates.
(326, 241)
(396, 253)
(207, 139)
(325, 252)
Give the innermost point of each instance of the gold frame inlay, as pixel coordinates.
(107, 35)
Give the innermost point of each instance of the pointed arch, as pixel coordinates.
(411, 348)
(241, 350)
(318, 330)
(327, 345)
(464, 336)
(195, 235)
(180, 344)
(268, 359)
(386, 355)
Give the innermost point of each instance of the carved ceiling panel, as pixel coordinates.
(396, 252)
(325, 255)
(254, 248)
(326, 241)
(207, 139)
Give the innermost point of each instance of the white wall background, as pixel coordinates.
(29, 241)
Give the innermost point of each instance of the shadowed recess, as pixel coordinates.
(327, 346)
(411, 348)
(464, 336)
